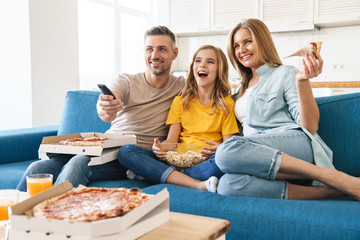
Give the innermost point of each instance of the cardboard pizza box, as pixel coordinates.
(135, 223)
(98, 154)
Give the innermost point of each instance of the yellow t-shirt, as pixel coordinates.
(199, 123)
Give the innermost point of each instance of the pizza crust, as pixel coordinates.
(311, 47)
(91, 204)
(90, 141)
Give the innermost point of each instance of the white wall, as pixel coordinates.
(340, 50)
(38, 60)
(15, 69)
(54, 57)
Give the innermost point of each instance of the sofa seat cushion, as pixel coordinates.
(261, 218)
(11, 173)
(120, 183)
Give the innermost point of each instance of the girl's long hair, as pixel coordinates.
(222, 87)
(265, 49)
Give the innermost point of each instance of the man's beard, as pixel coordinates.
(158, 71)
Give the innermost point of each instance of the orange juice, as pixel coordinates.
(37, 185)
(4, 205)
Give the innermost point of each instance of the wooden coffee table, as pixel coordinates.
(185, 226)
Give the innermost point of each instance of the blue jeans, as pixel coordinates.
(251, 163)
(144, 162)
(75, 169)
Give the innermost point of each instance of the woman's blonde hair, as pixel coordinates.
(264, 49)
(222, 87)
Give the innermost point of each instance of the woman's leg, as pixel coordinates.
(260, 155)
(286, 155)
(291, 168)
(251, 186)
(52, 166)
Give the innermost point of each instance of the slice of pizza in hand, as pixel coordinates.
(311, 47)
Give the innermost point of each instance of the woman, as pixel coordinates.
(279, 116)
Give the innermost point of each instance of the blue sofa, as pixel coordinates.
(251, 218)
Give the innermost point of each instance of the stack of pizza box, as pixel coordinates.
(98, 154)
(144, 218)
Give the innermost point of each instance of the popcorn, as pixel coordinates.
(185, 160)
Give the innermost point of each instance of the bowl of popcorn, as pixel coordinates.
(182, 155)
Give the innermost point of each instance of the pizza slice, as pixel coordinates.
(311, 47)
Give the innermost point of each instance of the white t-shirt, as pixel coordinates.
(240, 113)
(146, 108)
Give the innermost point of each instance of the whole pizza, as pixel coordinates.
(91, 204)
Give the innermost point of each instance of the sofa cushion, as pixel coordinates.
(121, 183)
(11, 173)
(23, 144)
(80, 113)
(339, 127)
(264, 218)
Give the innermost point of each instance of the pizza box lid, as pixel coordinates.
(22, 219)
(50, 144)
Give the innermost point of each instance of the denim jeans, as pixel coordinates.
(251, 163)
(75, 169)
(144, 162)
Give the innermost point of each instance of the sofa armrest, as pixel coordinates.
(23, 144)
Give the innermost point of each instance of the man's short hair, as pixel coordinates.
(160, 30)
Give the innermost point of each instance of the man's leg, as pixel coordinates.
(76, 171)
(52, 166)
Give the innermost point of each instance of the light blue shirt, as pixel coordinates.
(273, 106)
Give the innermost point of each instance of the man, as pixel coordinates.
(141, 107)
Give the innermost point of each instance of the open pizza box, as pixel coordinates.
(133, 224)
(98, 154)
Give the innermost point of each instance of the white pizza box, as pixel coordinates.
(140, 220)
(146, 224)
(98, 154)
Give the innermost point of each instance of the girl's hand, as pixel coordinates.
(312, 67)
(209, 151)
(156, 149)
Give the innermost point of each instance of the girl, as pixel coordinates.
(203, 115)
(279, 117)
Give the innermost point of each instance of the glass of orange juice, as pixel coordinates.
(37, 183)
(8, 198)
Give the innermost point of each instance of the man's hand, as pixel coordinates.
(108, 107)
(156, 149)
(209, 151)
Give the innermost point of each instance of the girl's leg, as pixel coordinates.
(145, 163)
(204, 170)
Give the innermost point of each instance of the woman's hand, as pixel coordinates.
(209, 151)
(156, 149)
(312, 67)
